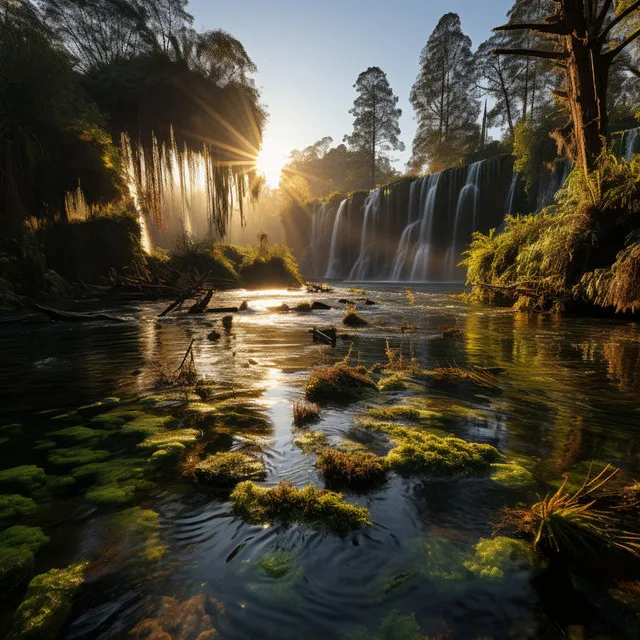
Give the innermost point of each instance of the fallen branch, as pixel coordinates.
(73, 316)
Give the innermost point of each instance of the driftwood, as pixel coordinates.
(73, 316)
(187, 294)
(326, 336)
(223, 310)
(201, 305)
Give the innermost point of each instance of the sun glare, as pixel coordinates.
(270, 161)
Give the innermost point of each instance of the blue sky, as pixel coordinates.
(309, 54)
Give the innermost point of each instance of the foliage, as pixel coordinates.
(351, 469)
(310, 506)
(305, 413)
(269, 266)
(47, 603)
(496, 556)
(444, 98)
(569, 523)
(337, 383)
(376, 117)
(227, 469)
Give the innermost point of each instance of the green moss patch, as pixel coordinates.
(140, 527)
(338, 383)
(276, 564)
(394, 382)
(113, 420)
(76, 456)
(147, 425)
(226, 469)
(79, 435)
(11, 429)
(20, 536)
(352, 469)
(47, 603)
(393, 627)
(24, 479)
(511, 475)
(310, 441)
(18, 546)
(310, 506)
(13, 506)
(166, 439)
(496, 556)
(110, 495)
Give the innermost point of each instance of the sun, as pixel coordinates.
(270, 161)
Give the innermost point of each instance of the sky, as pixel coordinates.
(309, 55)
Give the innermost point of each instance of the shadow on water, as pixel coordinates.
(568, 397)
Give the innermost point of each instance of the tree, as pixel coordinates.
(444, 98)
(583, 46)
(375, 125)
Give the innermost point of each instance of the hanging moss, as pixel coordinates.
(352, 469)
(226, 469)
(496, 556)
(24, 479)
(310, 506)
(13, 506)
(76, 456)
(47, 603)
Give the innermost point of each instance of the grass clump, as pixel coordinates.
(494, 557)
(227, 469)
(305, 413)
(353, 319)
(25, 479)
(340, 468)
(47, 603)
(394, 382)
(13, 506)
(276, 564)
(338, 383)
(310, 506)
(588, 519)
(394, 627)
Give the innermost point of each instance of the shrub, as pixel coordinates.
(225, 469)
(305, 413)
(351, 469)
(338, 383)
(310, 506)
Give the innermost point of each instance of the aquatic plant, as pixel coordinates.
(452, 374)
(106, 403)
(192, 618)
(494, 557)
(394, 382)
(24, 479)
(337, 383)
(441, 559)
(511, 475)
(47, 603)
(352, 319)
(14, 505)
(305, 413)
(140, 525)
(276, 564)
(351, 469)
(226, 469)
(394, 627)
(568, 522)
(317, 508)
(311, 442)
(76, 456)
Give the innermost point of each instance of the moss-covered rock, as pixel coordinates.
(338, 383)
(166, 439)
(359, 470)
(113, 420)
(310, 506)
(140, 527)
(394, 382)
(44, 445)
(353, 319)
(101, 405)
(13, 506)
(11, 430)
(496, 556)
(226, 469)
(511, 475)
(22, 536)
(24, 479)
(109, 495)
(79, 435)
(76, 456)
(109, 472)
(47, 603)
(18, 546)
(147, 425)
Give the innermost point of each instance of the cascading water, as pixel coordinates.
(362, 267)
(315, 258)
(420, 267)
(631, 142)
(333, 267)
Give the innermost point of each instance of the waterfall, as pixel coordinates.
(512, 193)
(361, 268)
(472, 186)
(315, 257)
(630, 141)
(333, 266)
(420, 268)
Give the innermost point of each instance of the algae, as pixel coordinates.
(79, 434)
(496, 556)
(276, 564)
(394, 627)
(394, 382)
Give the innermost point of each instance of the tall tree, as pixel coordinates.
(444, 98)
(376, 116)
(586, 37)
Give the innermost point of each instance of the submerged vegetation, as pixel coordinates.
(309, 506)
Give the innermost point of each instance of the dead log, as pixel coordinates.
(73, 316)
(326, 336)
(201, 305)
(223, 310)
